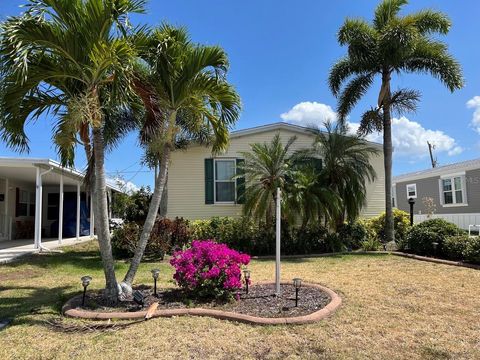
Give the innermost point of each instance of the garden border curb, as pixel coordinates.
(70, 310)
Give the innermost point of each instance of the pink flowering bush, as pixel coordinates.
(209, 269)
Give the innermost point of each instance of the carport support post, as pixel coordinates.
(78, 211)
(60, 211)
(38, 210)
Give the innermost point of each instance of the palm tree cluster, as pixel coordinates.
(326, 182)
(82, 62)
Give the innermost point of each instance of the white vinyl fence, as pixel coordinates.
(463, 221)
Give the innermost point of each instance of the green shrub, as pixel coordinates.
(353, 234)
(401, 221)
(371, 244)
(125, 238)
(166, 236)
(471, 252)
(420, 241)
(454, 247)
(441, 227)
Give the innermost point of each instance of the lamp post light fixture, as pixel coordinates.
(435, 247)
(85, 282)
(297, 283)
(246, 274)
(155, 275)
(411, 201)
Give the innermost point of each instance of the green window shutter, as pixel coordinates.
(209, 181)
(240, 182)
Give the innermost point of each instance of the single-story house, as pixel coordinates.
(41, 199)
(200, 185)
(453, 189)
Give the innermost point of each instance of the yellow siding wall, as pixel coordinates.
(186, 179)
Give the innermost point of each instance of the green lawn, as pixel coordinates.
(394, 308)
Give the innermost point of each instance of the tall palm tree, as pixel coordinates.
(187, 98)
(70, 58)
(392, 44)
(346, 170)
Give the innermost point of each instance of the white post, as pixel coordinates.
(277, 245)
(7, 218)
(60, 211)
(6, 197)
(38, 210)
(92, 219)
(78, 211)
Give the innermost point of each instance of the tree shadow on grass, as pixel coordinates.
(87, 259)
(31, 300)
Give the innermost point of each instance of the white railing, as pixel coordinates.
(463, 221)
(5, 227)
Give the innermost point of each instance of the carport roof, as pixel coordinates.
(14, 164)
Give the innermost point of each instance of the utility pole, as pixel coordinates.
(432, 159)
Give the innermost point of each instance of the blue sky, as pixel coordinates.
(280, 54)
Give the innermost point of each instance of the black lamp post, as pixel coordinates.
(85, 282)
(297, 283)
(411, 202)
(155, 275)
(246, 274)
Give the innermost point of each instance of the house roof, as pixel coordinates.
(280, 126)
(439, 171)
(24, 162)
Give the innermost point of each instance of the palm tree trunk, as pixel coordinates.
(101, 218)
(387, 156)
(160, 183)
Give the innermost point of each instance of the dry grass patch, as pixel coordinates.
(393, 308)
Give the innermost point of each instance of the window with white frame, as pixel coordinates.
(453, 190)
(25, 203)
(225, 188)
(411, 191)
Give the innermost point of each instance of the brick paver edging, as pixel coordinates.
(70, 309)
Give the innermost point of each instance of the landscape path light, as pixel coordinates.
(155, 275)
(297, 283)
(246, 274)
(85, 282)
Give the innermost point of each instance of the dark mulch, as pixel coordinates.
(260, 301)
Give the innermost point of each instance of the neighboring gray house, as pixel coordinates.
(455, 190)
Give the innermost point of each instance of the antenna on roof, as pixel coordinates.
(432, 159)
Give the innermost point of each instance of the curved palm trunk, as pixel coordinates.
(387, 154)
(101, 218)
(151, 216)
(160, 184)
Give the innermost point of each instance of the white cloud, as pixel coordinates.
(474, 103)
(309, 113)
(128, 186)
(409, 137)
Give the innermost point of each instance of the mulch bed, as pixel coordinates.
(260, 301)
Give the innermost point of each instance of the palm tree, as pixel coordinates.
(187, 98)
(346, 169)
(308, 198)
(266, 167)
(72, 60)
(393, 44)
